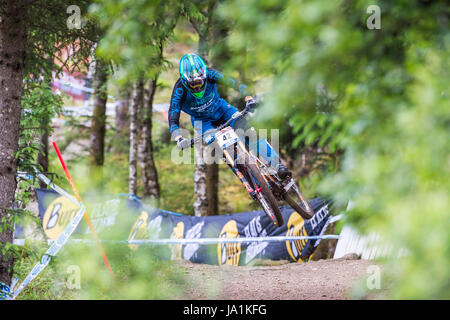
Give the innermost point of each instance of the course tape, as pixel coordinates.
(48, 182)
(205, 241)
(201, 241)
(51, 252)
(57, 244)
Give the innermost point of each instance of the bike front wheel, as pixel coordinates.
(266, 197)
(296, 200)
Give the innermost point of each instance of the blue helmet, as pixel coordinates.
(193, 74)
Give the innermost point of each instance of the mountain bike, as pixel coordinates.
(260, 179)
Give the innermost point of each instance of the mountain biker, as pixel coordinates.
(195, 93)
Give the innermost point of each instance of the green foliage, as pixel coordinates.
(78, 272)
(39, 105)
(49, 285)
(135, 33)
(48, 37)
(139, 274)
(389, 114)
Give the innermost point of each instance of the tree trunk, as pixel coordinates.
(212, 186)
(206, 176)
(200, 183)
(148, 169)
(98, 125)
(202, 198)
(43, 157)
(12, 59)
(122, 120)
(138, 89)
(203, 45)
(122, 115)
(219, 31)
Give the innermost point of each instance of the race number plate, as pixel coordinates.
(226, 137)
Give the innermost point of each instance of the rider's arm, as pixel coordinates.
(178, 95)
(218, 77)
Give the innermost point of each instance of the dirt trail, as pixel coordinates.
(324, 279)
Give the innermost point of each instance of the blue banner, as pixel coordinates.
(149, 223)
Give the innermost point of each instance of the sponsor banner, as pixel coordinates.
(252, 224)
(144, 223)
(56, 212)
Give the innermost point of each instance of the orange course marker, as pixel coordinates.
(86, 217)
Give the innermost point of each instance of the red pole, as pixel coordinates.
(86, 217)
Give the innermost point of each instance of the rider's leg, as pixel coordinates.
(262, 148)
(222, 112)
(202, 126)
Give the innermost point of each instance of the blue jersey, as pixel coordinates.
(209, 107)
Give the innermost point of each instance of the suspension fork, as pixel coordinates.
(231, 163)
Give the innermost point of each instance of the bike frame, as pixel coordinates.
(229, 159)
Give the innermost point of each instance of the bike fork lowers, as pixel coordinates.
(239, 174)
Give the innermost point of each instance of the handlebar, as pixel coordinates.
(234, 117)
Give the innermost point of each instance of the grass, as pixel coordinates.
(78, 272)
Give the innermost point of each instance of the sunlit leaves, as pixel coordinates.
(135, 31)
(386, 105)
